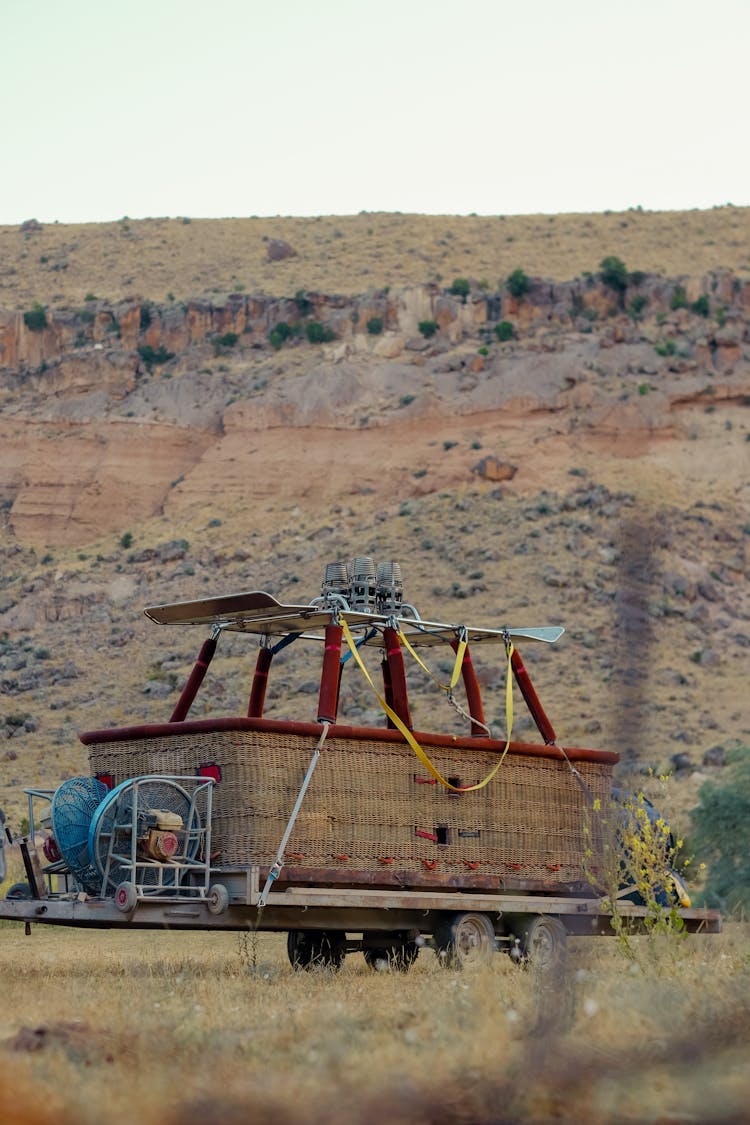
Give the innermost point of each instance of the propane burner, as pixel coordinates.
(389, 591)
(361, 586)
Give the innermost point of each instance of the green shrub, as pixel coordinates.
(304, 306)
(228, 340)
(504, 331)
(678, 299)
(36, 319)
(636, 306)
(721, 836)
(281, 333)
(428, 328)
(375, 325)
(154, 357)
(700, 307)
(126, 540)
(461, 287)
(146, 317)
(517, 283)
(614, 274)
(669, 347)
(317, 333)
(484, 351)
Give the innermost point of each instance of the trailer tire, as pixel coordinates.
(126, 897)
(399, 957)
(217, 899)
(465, 940)
(316, 949)
(543, 942)
(19, 890)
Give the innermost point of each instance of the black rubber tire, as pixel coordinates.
(19, 890)
(544, 942)
(398, 957)
(316, 949)
(465, 940)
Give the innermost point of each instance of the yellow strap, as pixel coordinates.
(456, 667)
(402, 727)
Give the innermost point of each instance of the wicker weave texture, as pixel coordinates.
(372, 805)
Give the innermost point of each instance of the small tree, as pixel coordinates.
(36, 319)
(518, 283)
(504, 331)
(375, 325)
(428, 328)
(318, 333)
(461, 287)
(614, 274)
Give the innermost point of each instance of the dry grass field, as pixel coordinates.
(174, 1028)
(152, 258)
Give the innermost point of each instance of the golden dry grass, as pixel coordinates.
(152, 258)
(173, 1027)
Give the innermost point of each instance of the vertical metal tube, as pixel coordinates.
(330, 675)
(260, 683)
(538, 713)
(397, 672)
(194, 681)
(473, 693)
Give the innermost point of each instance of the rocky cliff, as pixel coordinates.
(112, 412)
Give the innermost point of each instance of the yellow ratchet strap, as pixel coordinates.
(402, 727)
(461, 649)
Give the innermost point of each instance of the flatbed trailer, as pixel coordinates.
(326, 923)
(466, 843)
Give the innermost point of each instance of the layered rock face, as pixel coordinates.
(113, 414)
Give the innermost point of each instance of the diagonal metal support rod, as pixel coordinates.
(278, 863)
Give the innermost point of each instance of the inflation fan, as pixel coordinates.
(73, 806)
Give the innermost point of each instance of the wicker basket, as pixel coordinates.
(373, 812)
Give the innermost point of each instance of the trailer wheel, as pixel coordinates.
(465, 940)
(312, 949)
(126, 897)
(543, 942)
(19, 890)
(399, 956)
(217, 899)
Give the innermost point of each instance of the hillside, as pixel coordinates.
(154, 446)
(60, 264)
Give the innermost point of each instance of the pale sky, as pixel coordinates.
(212, 108)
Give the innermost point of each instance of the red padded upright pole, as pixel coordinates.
(473, 694)
(260, 683)
(397, 674)
(387, 690)
(194, 681)
(538, 713)
(330, 676)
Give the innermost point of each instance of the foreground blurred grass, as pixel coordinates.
(217, 1027)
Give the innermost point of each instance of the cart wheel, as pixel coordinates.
(217, 899)
(465, 940)
(19, 890)
(543, 942)
(312, 949)
(126, 897)
(399, 957)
